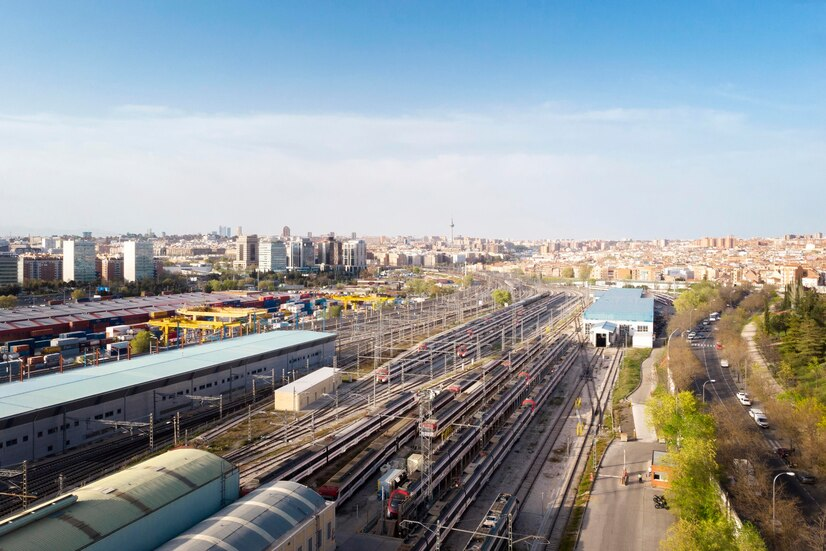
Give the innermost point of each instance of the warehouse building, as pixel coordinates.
(136, 509)
(49, 321)
(306, 390)
(282, 516)
(620, 317)
(52, 413)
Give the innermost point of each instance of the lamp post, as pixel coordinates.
(788, 473)
(712, 381)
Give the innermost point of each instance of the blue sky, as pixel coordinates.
(521, 119)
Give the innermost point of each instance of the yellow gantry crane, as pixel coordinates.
(351, 301)
(201, 324)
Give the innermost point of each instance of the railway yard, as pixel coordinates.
(453, 420)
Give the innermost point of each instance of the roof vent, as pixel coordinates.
(107, 490)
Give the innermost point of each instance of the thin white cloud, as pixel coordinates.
(542, 172)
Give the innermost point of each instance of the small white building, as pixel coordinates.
(299, 394)
(621, 317)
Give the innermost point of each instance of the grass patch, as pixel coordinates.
(630, 373)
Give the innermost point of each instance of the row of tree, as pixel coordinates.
(690, 435)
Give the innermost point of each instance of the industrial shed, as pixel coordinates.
(621, 317)
(136, 509)
(53, 413)
(282, 516)
(306, 390)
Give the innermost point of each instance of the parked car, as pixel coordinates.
(786, 454)
(805, 478)
(744, 398)
(759, 417)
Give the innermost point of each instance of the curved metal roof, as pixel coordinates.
(257, 521)
(103, 507)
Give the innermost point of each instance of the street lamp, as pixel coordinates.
(788, 473)
(712, 381)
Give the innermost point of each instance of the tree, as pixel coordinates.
(140, 344)
(8, 301)
(568, 272)
(467, 280)
(584, 271)
(78, 294)
(501, 297)
(334, 311)
(266, 285)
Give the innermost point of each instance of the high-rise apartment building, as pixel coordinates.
(354, 255)
(246, 252)
(79, 261)
(138, 260)
(8, 269)
(111, 268)
(300, 253)
(272, 256)
(43, 268)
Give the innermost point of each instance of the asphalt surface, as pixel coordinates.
(623, 517)
(725, 389)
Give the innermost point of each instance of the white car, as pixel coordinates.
(759, 417)
(744, 398)
(723, 363)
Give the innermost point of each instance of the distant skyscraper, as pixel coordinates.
(285, 232)
(239, 231)
(138, 260)
(272, 256)
(354, 255)
(246, 254)
(79, 261)
(87, 235)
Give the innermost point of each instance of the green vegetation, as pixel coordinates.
(140, 344)
(690, 434)
(334, 311)
(427, 287)
(78, 294)
(630, 373)
(501, 297)
(8, 301)
(794, 341)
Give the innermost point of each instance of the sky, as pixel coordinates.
(518, 120)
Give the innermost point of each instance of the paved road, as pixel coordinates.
(623, 517)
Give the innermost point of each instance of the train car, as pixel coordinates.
(496, 522)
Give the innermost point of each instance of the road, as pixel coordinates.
(725, 389)
(640, 526)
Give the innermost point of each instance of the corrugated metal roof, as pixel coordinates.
(171, 301)
(308, 381)
(115, 501)
(625, 304)
(256, 521)
(60, 388)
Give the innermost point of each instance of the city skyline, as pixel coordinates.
(569, 121)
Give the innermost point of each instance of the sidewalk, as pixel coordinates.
(640, 396)
(760, 368)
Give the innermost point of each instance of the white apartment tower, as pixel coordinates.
(354, 255)
(138, 260)
(79, 261)
(272, 256)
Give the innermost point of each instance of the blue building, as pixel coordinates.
(620, 317)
